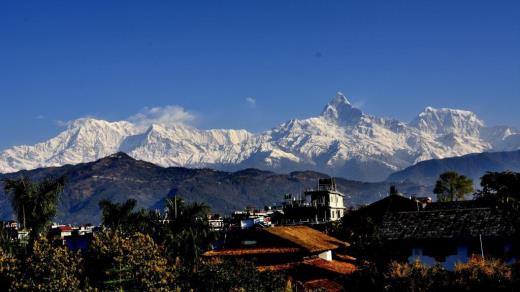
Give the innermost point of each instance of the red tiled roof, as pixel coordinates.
(326, 284)
(64, 228)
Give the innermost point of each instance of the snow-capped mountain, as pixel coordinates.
(342, 141)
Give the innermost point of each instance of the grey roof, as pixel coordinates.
(447, 224)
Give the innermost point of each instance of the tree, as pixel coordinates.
(501, 187)
(452, 187)
(50, 269)
(35, 203)
(128, 262)
(393, 191)
(119, 216)
(9, 271)
(188, 231)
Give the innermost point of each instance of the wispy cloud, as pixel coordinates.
(167, 115)
(40, 117)
(251, 101)
(359, 104)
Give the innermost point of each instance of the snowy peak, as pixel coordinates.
(342, 141)
(447, 121)
(341, 111)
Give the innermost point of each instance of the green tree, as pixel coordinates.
(35, 203)
(233, 275)
(119, 216)
(502, 187)
(452, 186)
(393, 191)
(128, 262)
(188, 231)
(9, 271)
(50, 269)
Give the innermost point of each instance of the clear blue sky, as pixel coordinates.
(61, 60)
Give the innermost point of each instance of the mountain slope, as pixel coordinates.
(119, 177)
(341, 141)
(471, 165)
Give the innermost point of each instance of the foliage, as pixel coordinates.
(188, 232)
(118, 215)
(9, 271)
(393, 191)
(366, 278)
(51, 269)
(34, 203)
(234, 275)
(452, 187)
(501, 187)
(483, 275)
(117, 261)
(416, 277)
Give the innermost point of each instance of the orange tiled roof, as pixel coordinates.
(308, 238)
(345, 257)
(281, 267)
(251, 251)
(332, 266)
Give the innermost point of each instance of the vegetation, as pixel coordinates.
(142, 250)
(501, 187)
(452, 186)
(35, 203)
(119, 262)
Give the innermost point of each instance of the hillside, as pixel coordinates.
(119, 177)
(471, 165)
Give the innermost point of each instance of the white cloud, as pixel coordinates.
(62, 123)
(40, 117)
(167, 115)
(251, 101)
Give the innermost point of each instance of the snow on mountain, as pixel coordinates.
(342, 141)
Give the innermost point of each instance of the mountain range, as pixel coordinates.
(342, 141)
(119, 177)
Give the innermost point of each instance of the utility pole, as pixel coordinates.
(481, 246)
(175, 203)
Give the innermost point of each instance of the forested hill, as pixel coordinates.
(119, 177)
(471, 165)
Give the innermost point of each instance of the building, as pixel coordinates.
(442, 232)
(308, 255)
(323, 204)
(451, 232)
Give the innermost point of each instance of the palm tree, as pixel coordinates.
(119, 216)
(35, 203)
(189, 233)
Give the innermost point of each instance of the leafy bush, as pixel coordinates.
(416, 277)
(135, 262)
(483, 275)
(50, 268)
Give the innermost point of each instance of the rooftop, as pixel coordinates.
(447, 223)
(307, 238)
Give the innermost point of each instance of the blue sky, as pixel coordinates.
(252, 64)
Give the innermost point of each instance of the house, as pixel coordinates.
(320, 205)
(303, 252)
(449, 232)
(59, 232)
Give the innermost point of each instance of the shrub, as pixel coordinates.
(131, 262)
(50, 268)
(9, 271)
(416, 277)
(480, 274)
